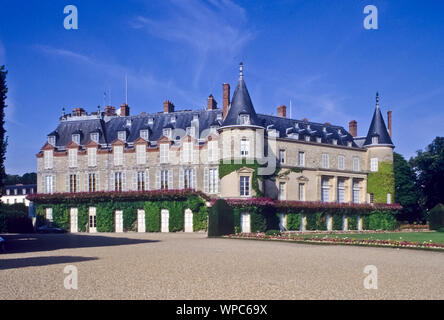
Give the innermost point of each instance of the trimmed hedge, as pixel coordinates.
(294, 221)
(220, 219)
(436, 217)
(14, 219)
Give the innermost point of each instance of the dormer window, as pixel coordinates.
(324, 129)
(334, 141)
(121, 135)
(318, 139)
(195, 117)
(307, 138)
(375, 140)
(296, 125)
(144, 134)
(95, 137)
(191, 131)
(52, 140)
(339, 131)
(150, 120)
(349, 144)
(244, 119)
(219, 116)
(166, 132)
(308, 127)
(128, 122)
(173, 119)
(76, 138)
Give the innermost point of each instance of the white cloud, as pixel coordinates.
(214, 28)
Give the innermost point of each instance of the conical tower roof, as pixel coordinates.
(378, 128)
(241, 104)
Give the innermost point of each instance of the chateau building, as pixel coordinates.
(111, 150)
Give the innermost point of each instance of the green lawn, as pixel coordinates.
(436, 237)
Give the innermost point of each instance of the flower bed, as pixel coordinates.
(328, 239)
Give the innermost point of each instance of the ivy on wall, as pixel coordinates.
(294, 221)
(382, 182)
(105, 214)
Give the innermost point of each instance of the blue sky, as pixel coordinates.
(316, 53)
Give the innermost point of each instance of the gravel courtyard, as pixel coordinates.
(191, 266)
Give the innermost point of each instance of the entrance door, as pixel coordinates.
(188, 220)
(74, 220)
(119, 221)
(245, 223)
(92, 220)
(141, 221)
(165, 217)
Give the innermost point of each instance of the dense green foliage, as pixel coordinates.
(382, 182)
(337, 221)
(436, 217)
(294, 221)
(14, 219)
(406, 193)
(27, 178)
(382, 220)
(429, 168)
(220, 219)
(105, 214)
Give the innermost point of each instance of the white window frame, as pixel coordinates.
(356, 164)
(118, 155)
(213, 151)
(374, 164)
(301, 159)
(282, 191)
(164, 180)
(95, 137)
(76, 138)
(244, 119)
(301, 192)
(356, 193)
(375, 140)
(72, 158)
(164, 153)
(48, 157)
(213, 180)
(244, 186)
(92, 157)
(282, 156)
(341, 190)
(144, 134)
(325, 190)
(244, 147)
(325, 163)
(140, 154)
(187, 152)
(341, 162)
(121, 135)
(49, 184)
(52, 140)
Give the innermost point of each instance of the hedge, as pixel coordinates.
(14, 219)
(220, 218)
(436, 217)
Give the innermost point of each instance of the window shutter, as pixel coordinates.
(67, 182)
(170, 179)
(86, 182)
(123, 181)
(97, 181)
(147, 179)
(135, 176)
(78, 182)
(158, 179)
(206, 186)
(216, 179)
(193, 182)
(112, 187)
(53, 182)
(181, 178)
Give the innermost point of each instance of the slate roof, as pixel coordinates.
(378, 128)
(108, 127)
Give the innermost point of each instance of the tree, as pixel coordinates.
(27, 178)
(406, 192)
(429, 168)
(3, 138)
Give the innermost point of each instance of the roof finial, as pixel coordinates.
(377, 99)
(241, 74)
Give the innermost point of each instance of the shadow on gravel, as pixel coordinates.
(40, 261)
(22, 243)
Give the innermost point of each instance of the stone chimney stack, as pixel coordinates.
(211, 104)
(168, 106)
(353, 128)
(389, 122)
(226, 99)
(124, 110)
(110, 111)
(282, 111)
(77, 112)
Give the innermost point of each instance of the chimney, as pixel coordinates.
(168, 106)
(110, 111)
(77, 112)
(211, 104)
(226, 99)
(389, 122)
(124, 110)
(282, 111)
(353, 128)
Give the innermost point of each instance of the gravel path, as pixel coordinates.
(191, 266)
